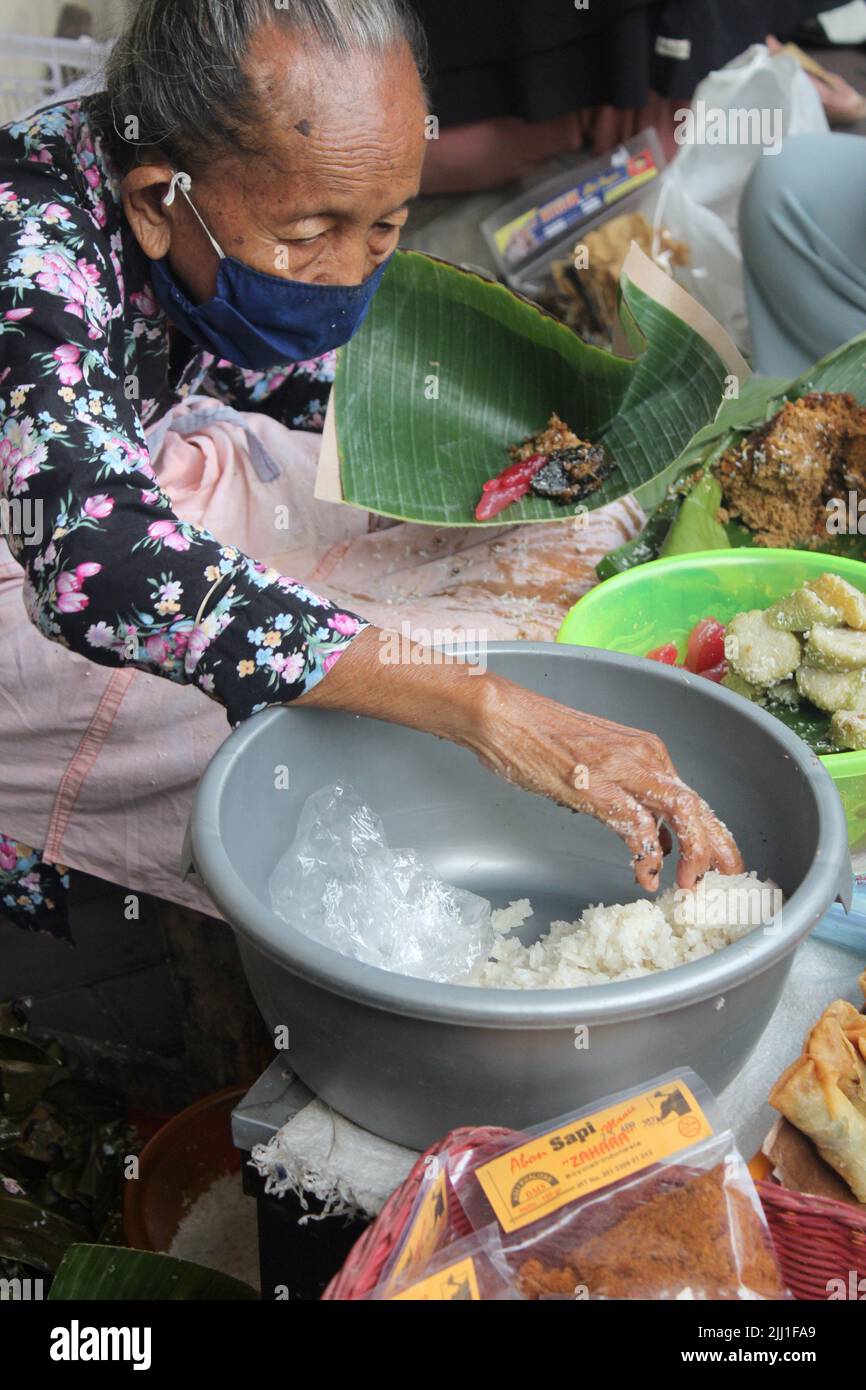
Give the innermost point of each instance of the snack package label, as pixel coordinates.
(455, 1283)
(427, 1232)
(534, 229)
(586, 1154)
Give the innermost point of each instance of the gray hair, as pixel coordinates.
(179, 69)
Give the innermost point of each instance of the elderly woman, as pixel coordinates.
(211, 226)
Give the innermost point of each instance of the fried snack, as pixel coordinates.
(801, 610)
(734, 682)
(833, 690)
(555, 435)
(758, 652)
(835, 649)
(785, 693)
(847, 601)
(606, 250)
(848, 730)
(584, 289)
(823, 1093)
(565, 298)
(796, 1163)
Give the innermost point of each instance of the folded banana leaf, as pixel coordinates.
(32, 1235)
(760, 398)
(94, 1272)
(449, 369)
(62, 1144)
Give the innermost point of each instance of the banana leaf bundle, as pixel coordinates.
(685, 519)
(450, 369)
(63, 1141)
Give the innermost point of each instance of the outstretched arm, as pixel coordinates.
(624, 777)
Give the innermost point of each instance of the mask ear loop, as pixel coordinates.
(184, 183)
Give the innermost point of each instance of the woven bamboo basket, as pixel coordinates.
(817, 1240)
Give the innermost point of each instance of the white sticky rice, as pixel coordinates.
(625, 940)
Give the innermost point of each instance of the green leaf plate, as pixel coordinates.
(449, 369)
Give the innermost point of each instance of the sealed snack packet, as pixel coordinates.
(473, 1269)
(638, 1196)
(427, 1230)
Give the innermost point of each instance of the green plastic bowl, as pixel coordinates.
(662, 600)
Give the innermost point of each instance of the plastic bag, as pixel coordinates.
(429, 1228)
(635, 1197)
(342, 884)
(701, 190)
(470, 1270)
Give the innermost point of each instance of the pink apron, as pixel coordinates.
(99, 766)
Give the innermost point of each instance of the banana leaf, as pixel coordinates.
(62, 1145)
(450, 369)
(645, 546)
(26, 1071)
(92, 1272)
(33, 1235)
(696, 526)
(760, 398)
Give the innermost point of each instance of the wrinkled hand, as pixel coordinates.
(623, 777)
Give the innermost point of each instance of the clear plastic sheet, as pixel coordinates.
(703, 186)
(343, 885)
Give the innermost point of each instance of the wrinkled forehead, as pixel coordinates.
(332, 127)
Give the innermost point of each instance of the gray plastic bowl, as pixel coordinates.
(409, 1059)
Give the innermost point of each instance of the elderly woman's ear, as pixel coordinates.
(142, 192)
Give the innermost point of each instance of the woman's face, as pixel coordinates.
(324, 198)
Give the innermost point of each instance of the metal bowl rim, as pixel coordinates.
(828, 879)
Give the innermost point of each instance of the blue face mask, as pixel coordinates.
(256, 320)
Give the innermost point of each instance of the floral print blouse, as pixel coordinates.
(86, 361)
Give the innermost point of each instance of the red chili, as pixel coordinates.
(706, 645)
(666, 654)
(516, 472)
(497, 499)
(508, 486)
(715, 673)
